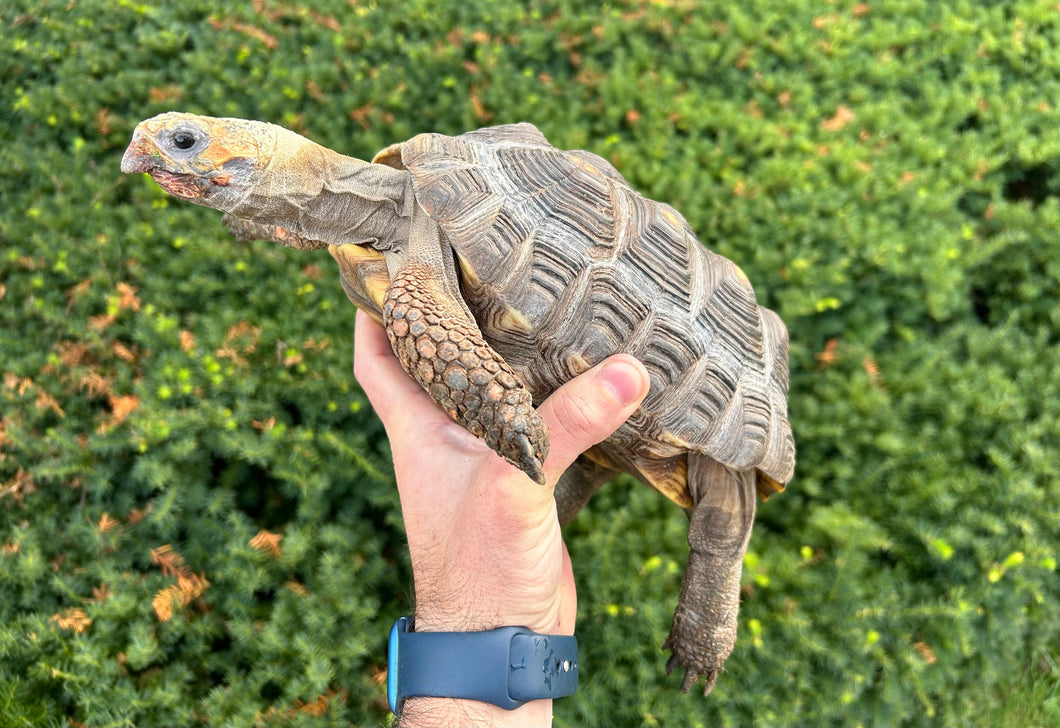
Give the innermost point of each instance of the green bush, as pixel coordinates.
(199, 523)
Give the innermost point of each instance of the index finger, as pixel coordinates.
(396, 398)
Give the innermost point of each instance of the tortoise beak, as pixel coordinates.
(140, 156)
(143, 156)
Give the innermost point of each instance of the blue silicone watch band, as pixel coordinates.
(505, 667)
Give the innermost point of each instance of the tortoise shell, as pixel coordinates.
(562, 264)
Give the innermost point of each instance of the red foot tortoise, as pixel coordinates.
(501, 268)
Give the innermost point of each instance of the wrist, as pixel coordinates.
(505, 676)
(457, 619)
(477, 601)
(422, 712)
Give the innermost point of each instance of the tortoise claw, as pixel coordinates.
(671, 663)
(691, 675)
(712, 678)
(530, 460)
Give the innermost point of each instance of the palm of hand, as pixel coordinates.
(484, 539)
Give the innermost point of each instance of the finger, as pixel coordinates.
(587, 409)
(396, 398)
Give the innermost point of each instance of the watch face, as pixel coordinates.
(392, 663)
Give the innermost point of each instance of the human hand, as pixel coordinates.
(484, 539)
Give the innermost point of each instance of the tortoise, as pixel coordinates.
(502, 267)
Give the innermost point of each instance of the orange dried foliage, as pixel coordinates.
(926, 652)
(100, 594)
(263, 426)
(297, 587)
(164, 94)
(266, 39)
(362, 114)
(20, 486)
(94, 384)
(106, 523)
(46, 401)
(14, 382)
(187, 341)
(74, 619)
(481, 112)
(268, 543)
(172, 563)
(187, 588)
(829, 355)
(123, 352)
(283, 9)
(127, 298)
(122, 407)
(138, 514)
(872, 368)
(71, 353)
(316, 708)
(100, 322)
(288, 359)
(319, 707)
(233, 352)
(843, 116)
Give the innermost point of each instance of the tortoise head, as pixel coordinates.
(208, 161)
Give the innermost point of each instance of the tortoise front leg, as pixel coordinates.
(441, 347)
(704, 627)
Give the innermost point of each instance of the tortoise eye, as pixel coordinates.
(183, 140)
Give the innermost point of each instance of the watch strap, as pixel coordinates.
(506, 666)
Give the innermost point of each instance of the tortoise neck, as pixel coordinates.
(326, 196)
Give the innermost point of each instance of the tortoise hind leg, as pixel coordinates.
(704, 627)
(577, 485)
(439, 344)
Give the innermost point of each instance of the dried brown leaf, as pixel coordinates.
(843, 116)
(74, 619)
(267, 542)
(106, 523)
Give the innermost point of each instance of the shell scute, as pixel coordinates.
(561, 244)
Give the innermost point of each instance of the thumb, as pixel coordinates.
(587, 409)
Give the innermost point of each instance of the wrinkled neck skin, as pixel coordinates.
(326, 196)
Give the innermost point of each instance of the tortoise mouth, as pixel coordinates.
(185, 186)
(143, 156)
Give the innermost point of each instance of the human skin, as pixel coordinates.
(484, 539)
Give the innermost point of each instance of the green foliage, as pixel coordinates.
(199, 524)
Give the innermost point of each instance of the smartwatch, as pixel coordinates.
(506, 667)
